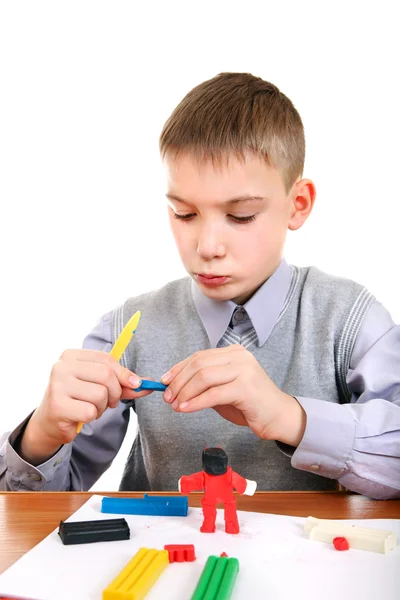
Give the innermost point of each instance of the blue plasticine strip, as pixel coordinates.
(162, 506)
(156, 386)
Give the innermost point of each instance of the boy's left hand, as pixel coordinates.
(232, 382)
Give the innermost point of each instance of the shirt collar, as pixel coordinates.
(263, 308)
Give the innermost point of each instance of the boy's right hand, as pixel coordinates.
(83, 383)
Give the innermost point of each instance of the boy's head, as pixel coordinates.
(234, 151)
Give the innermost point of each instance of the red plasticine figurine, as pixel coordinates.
(218, 482)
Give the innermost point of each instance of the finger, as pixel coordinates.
(130, 394)
(213, 397)
(79, 411)
(101, 374)
(125, 377)
(89, 393)
(176, 369)
(204, 379)
(199, 362)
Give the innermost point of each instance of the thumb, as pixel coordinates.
(128, 378)
(129, 381)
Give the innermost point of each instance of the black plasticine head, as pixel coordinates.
(215, 461)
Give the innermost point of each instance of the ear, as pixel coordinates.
(302, 201)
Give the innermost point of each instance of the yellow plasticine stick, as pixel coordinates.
(121, 344)
(138, 576)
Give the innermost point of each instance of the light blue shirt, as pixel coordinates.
(373, 379)
(374, 376)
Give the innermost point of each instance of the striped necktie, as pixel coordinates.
(247, 339)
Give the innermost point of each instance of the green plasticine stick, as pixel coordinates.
(229, 578)
(205, 578)
(217, 579)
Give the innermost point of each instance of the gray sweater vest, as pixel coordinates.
(306, 354)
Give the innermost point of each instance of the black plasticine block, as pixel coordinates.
(85, 532)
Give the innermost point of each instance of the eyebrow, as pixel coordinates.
(244, 198)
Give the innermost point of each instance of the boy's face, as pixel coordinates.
(230, 222)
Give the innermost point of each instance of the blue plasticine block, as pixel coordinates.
(156, 386)
(162, 506)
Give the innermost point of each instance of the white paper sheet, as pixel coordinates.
(277, 561)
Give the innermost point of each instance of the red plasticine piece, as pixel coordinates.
(180, 552)
(224, 554)
(340, 543)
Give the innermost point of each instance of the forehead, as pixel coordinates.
(196, 181)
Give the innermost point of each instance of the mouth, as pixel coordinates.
(211, 280)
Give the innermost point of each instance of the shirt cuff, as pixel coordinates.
(24, 476)
(285, 448)
(328, 440)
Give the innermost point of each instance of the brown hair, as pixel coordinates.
(235, 113)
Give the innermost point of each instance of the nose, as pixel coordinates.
(209, 243)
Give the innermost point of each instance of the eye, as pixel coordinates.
(242, 219)
(186, 217)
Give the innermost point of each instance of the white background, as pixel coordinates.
(85, 88)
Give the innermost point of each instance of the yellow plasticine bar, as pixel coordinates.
(138, 576)
(121, 344)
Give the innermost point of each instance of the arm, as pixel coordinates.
(359, 443)
(76, 465)
(191, 483)
(243, 486)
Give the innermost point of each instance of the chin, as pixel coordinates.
(222, 293)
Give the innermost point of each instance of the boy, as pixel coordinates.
(301, 368)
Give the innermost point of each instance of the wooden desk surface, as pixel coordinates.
(27, 517)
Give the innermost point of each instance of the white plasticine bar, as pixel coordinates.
(361, 538)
